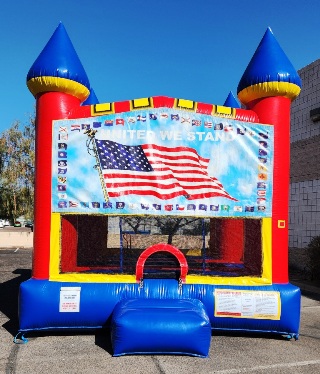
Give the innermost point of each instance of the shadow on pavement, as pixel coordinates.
(314, 295)
(102, 336)
(103, 340)
(249, 334)
(9, 291)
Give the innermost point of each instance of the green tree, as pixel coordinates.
(170, 225)
(135, 222)
(17, 170)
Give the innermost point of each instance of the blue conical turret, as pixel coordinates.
(58, 68)
(269, 73)
(91, 99)
(231, 101)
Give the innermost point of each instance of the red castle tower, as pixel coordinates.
(59, 83)
(267, 87)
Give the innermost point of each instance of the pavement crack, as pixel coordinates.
(158, 365)
(12, 360)
(310, 336)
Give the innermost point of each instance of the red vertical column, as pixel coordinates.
(50, 106)
(276, 111)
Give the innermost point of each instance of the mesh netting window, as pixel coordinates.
(113, 244)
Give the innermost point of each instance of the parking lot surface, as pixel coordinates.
(67, 352)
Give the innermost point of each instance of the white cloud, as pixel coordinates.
(246, 185)
(223, 156)
(83, 179)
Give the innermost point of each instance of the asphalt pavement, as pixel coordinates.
(82, 353)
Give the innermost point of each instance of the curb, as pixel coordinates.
(14, 247)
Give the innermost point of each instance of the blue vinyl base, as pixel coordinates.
(39, 305)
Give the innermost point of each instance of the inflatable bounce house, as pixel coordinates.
(161, 219)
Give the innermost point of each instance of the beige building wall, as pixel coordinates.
(304, 213)
(16, 239)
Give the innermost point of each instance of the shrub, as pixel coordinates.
(314, 257)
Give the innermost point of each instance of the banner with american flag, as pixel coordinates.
(152, 170)
(162, 161)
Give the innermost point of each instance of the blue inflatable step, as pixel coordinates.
(160, 326)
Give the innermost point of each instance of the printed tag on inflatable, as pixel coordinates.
(69, 299)
(247, 304)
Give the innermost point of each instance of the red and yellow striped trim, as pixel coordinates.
(168, 102)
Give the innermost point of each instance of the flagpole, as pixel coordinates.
(91, 135)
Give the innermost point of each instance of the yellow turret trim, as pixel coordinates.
(267, 89)
(56, 84)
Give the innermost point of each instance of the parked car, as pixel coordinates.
(22, 220)
(29, 224)
(4, 222)
(17, 224)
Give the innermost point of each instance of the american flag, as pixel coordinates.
(75, 128)
(150, 169)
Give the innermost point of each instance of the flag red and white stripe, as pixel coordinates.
(163, 172)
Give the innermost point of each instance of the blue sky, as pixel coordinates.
(196, 50)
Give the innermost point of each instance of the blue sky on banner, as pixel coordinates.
(197, 50)
(235, 159)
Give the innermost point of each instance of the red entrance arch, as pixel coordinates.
(162, 247)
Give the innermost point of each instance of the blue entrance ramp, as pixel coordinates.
(160, 326)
